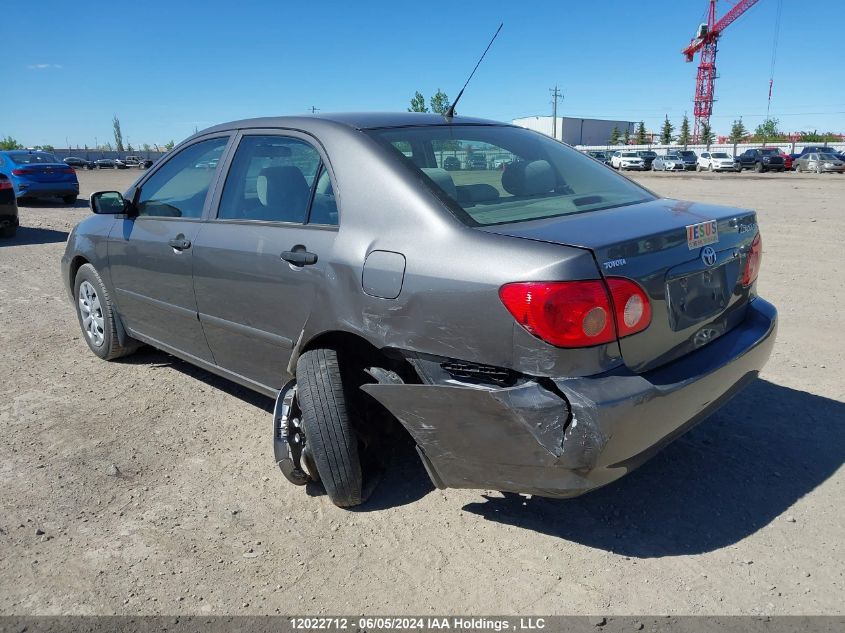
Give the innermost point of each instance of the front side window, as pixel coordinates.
(179, 188)
(544, 179)
(271, 179)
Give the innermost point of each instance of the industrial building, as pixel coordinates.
(577, 131)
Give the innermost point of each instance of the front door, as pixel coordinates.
(258, 263)
(150, 254)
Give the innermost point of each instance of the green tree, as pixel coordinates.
(614, 136)
(666, 132)
(10, 143)
(146, 147)
(48, 148)
(440, 102)
(641, 136)
(706, 134)
(738, 132)
(768, 129)
(626, 138)
(169, 145)
(684, 136)
(107, 147)
(418, 103)
(118, 135)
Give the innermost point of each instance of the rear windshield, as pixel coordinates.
(542, 178)
(27, 158)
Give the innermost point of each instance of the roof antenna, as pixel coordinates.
(451, 111)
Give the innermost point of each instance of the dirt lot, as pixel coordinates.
(148, 486)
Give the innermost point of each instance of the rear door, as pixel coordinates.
(260, 258)
(151, 255)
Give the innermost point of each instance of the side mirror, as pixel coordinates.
(108, 202)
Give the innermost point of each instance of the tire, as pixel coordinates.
(697, 167)
(107, 345)
(759, 168)
(8, 231)
(327, 425)
(69, 199)
(710, 167)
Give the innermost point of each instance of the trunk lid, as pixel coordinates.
(696, 296)
(48, 172)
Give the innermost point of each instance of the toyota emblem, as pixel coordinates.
(708, 256)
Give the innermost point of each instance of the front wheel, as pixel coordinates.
(759, 168)
(328, 427)
(96, 315)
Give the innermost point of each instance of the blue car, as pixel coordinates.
(36, 174)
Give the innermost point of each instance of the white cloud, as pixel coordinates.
(43, 66)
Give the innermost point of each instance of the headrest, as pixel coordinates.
(480, 192)
(284, 190)
(528, 178)
(442, 179)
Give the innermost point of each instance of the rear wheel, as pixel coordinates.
(69, 199)
(8, 231)
(333, 444)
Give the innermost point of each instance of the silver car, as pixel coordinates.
(542, 329)
(668, 162)
(819, 163)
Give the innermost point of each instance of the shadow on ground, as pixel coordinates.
(730, 476)
(405, 480)
(29, 235)
(52, 203)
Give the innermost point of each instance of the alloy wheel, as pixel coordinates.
(91, 311)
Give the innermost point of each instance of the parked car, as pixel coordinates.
(119, 163)
(717, 161)
(500, 161)
(668, 162)
(8, 208)
(761, 159)
(648, 157)
(146, 163)
(105, 163)
(787, 159)
(821, 149)
(75, 161)
(690, 159)
(451, 163)
(132, 161)
(476, 161)
(602, 157)
(37, 174)
(820, 163)
(496, 317)
(626, 160)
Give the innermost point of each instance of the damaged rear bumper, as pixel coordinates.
(566, 436)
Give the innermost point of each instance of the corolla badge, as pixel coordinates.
(708, 256)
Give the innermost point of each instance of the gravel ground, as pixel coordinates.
(148, 486)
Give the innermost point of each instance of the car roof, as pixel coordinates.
(356, 120)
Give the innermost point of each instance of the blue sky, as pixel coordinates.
(166, 67)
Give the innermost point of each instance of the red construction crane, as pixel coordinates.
(706, 41)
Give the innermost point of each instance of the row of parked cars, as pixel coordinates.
(812, 158)
(108, 163)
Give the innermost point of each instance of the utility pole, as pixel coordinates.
(314, 110)
(555, 96)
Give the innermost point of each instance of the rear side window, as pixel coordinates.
(499, 174)
(271, 179)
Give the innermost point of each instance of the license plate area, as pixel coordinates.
(696, 297)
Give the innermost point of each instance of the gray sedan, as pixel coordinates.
(541, 329)
(819, 163)
(668, 162)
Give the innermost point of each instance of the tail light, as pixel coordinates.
(578, 313)
(67, 170)
(5, 184)
(753, 259)
(21, 172)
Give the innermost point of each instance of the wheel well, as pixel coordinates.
(362, 353)
(75, 264)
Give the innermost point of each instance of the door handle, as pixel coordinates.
(299, 257)
(180, 243)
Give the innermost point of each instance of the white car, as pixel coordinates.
(716, 161)
(626, 160)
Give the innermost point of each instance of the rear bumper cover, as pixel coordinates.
(33, 189)
(564, 437)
